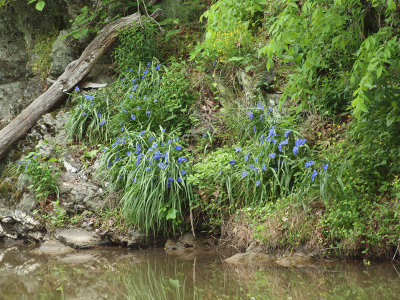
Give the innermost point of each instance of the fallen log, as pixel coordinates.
(72, 75)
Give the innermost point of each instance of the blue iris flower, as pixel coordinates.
(287, 132)
(272, 155)
(295, 150)
(181, 159)
(315, 173)
(232, 162)
(309, 163)
(102, 122)
(325, 167)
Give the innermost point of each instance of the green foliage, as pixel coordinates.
(137, 44)
(229, 31)
(42, 49)
(142, 99)
(39, 4)
(43, 172)
(150, 169)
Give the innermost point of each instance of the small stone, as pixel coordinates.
(78, 238)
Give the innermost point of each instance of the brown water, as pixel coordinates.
(152, 274)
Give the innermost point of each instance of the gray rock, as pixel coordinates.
(252, 259)
(53, 248)
(188, 240)
(18, 224)
(78, 238)
(77, 194)
(71, 164)
(61, 55)
(45, 148)
(295, 260)
(27, 203)
(10, 94)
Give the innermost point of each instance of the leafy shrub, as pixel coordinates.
(228, 32)
(42, 173)
(144, 99)
(151, 171)
(137, 44)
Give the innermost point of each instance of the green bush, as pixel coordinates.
(150, 97)
(151, 171)
(43, 175)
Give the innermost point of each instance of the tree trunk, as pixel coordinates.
(73, 73)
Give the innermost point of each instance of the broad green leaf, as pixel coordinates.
(171, 215)
(40, 5)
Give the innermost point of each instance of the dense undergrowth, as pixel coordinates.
(320, 167)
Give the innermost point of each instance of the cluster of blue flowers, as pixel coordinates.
(150, 155)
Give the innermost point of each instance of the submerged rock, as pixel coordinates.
(79, 238)
(78, 258)
(295, 260)
(253, 259)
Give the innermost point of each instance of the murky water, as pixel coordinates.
(152, 274)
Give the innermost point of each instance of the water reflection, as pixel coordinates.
(124, 274)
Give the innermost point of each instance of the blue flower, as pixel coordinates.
(251, 167)
(254, 128)
(325, 167)
(110, 164)
(102, 122)
(309, 163)
(284, 142)
(138, 107)
(89, 97)
(145, 72)
(287, 132)
(232, 162)
(246, 158)
(140, 134)
(183, 173)
(163, 130)
(148, 112)
(122, 128)
(260, 106)
(263, 167)
(158, 67)
(155, 100)
(257, 182)
(179, 179)
(272, 155)
(179, 147)
(204, 135)
(295, 150)
(181, 159)
(133, 117)
(250, 114)
(256, 159)
(80, 106)
(300, 142)
(105, 149)
(244, 173)
(272, 132)
(133, 81)
(99, 115)
(147, 169)
(238, 149)
(92, 103)
(315, 173)
(77, 88)
(84, 114)
(128, 153)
